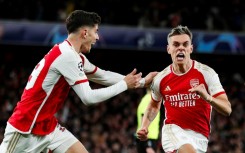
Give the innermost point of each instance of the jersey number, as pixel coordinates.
(34, 75)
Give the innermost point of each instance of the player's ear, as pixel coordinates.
(191, 48)
(84, 33)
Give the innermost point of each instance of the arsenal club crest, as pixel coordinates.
(194, 82)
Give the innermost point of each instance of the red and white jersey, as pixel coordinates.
(183, 108)
(47, 88)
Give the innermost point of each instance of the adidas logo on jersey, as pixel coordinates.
(167, 89)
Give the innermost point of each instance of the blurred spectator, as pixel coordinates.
(221, 15)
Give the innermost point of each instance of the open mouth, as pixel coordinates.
(180, 56)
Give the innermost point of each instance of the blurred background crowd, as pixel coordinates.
(217, 15)
(109, 127)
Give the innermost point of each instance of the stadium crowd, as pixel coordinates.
(110, 127)
(214, 15)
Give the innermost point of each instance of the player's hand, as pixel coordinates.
(149, 78)
(201, 90)
(142, 134)
(132, 79)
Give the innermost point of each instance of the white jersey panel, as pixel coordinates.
(211, 78)
(88, 67)
(69, 64)
(155, 86)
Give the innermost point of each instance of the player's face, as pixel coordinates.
(90, 38)
(180, 48)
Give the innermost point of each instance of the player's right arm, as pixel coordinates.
(149, 115)
(70, 66)
(151, 111)
(108, 78)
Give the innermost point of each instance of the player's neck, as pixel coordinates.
(182, 68)
(75, 42)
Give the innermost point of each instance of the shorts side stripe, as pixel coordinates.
(13, 142)
(172, 136)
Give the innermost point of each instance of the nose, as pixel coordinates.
(181, 48)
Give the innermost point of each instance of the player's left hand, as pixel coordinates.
(201, 90)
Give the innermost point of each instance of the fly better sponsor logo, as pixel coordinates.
(182, 100)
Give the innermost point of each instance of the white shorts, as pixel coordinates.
(173, 137)
(58, 141)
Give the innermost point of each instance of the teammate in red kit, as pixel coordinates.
(33, 128)
(189, 90)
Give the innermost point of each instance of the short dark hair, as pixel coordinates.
(79, 18)
(180, 30)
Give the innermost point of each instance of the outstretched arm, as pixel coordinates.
(104, 77)
(108, 78)
(90, 96)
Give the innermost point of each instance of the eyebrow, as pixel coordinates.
(180, 42)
